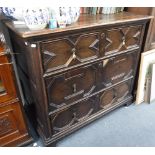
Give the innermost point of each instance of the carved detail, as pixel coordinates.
(108, 42)
(66, 126)
(71, 86)
(126, 39)
(83, 110)
(91, 90)
(136, 36)
(102, 35)
(5, 125)
(86, 116)
(73, 50)
(107, 98)
(57, 105)
(87, 44)
(48, 56)
(114, 95)
(117, 69)
(77, 113)
(74, 94)
(122, 91)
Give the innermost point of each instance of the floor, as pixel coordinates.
(126, 127)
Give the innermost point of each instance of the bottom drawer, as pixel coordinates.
(65, 119)
(12, 127)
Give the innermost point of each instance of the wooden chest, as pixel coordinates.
(79, 73)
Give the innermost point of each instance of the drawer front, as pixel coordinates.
(65, 119)
(69, 50)
(71, 86)
(76, 49)
(80, 112)
(12, 125)
(123, 38)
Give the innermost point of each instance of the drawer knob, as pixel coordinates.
(74, 56)
(102, 36)
(123, 40)
(73, 50)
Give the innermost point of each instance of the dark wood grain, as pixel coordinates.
(70, 50)
(79, 73)
(65, 119)
(95, 77)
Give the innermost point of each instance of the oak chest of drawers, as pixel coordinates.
(77, 74)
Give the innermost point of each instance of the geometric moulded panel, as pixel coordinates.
(69, 117)
(69, 51)
(71, 86)
(125, 38)
(114, 95)
(116, 69)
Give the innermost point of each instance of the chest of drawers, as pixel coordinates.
(77, 74)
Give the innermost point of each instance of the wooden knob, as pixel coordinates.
(73, 50)
(102, 36)
(123, 40)
(74, 55)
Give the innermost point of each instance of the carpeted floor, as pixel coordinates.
(125, 126)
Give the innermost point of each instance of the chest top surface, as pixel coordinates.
(85, 21)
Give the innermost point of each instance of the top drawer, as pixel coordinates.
(70, 50)
(76, 49)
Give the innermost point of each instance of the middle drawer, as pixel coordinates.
(66, 88)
